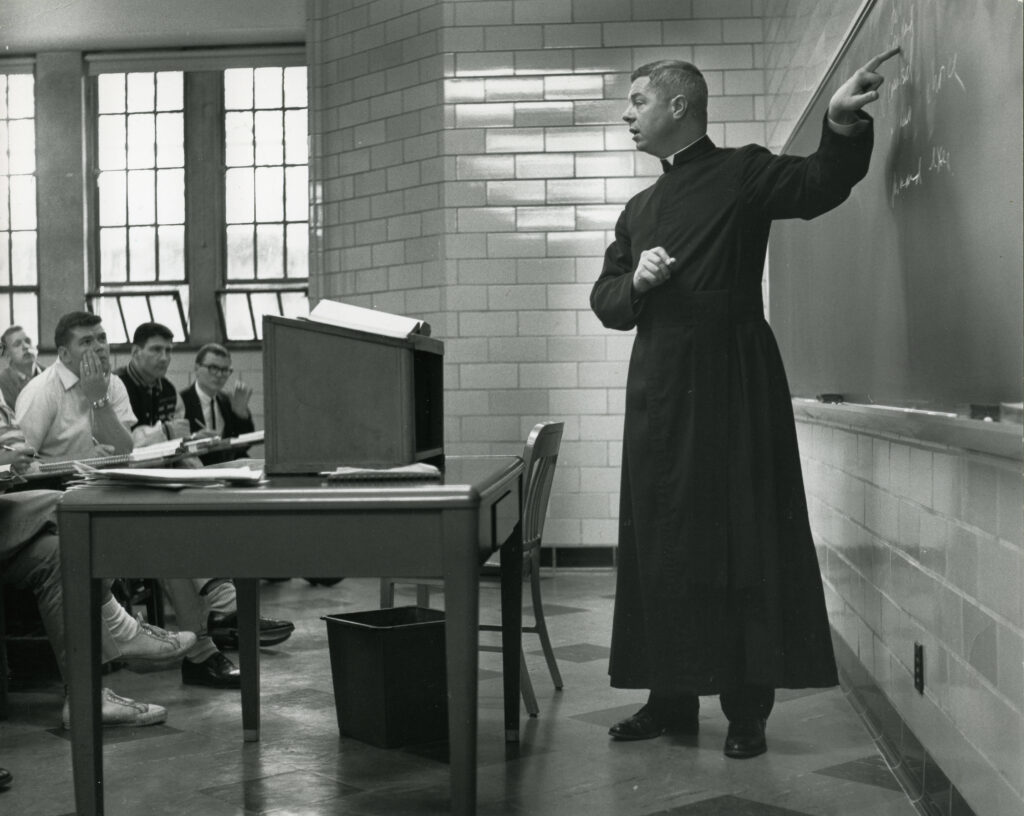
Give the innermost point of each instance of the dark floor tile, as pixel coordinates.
(281, 790)
(871, 770)
(580, 652)
(607, 717)
(552, 610)
(785, 695)
(728, 806)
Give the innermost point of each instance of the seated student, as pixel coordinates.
(159, 415)
(210, 406)
(17, 349)
(30, 558)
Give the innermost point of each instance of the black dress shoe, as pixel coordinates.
(745, 739)
(6, 777)
(224, 630)
(216, 671)
(645, 724)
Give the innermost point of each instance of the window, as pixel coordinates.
(19, 284)
(202, 197)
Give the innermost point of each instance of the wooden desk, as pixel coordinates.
(298, 525)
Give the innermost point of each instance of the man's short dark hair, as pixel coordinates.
(7, 336)
(71, 321)
(211, 348)
(145, 331)
(674, 77)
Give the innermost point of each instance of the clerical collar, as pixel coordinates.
(678, 158)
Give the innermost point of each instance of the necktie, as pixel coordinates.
(213, 416)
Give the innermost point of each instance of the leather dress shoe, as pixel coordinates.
(216, 671)
(224, 630)
(645, 724)
(745, 739)
(6, 777)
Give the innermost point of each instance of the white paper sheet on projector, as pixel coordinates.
(367, 320)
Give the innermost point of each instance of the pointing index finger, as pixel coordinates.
(877, 60)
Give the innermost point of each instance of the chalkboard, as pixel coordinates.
(911, 293)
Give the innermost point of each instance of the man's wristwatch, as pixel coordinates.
(102, 402)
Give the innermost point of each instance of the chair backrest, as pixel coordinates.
(539, 458)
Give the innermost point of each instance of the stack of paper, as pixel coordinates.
(419, 470)
(172, 478)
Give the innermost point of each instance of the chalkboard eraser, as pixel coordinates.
(835, 399)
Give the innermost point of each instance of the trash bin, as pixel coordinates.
(388, 667)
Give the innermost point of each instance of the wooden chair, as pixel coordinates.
(540, 456)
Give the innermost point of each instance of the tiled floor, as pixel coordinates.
(821, 760)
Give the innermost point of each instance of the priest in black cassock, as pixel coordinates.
(718, 588)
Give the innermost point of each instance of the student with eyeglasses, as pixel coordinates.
(214, 406)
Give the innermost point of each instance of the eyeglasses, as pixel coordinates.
(217, 370)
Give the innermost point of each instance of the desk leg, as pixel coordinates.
(512, 627)
(248, 600)
(462, 617)
(82, 637)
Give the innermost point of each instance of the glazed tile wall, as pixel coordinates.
(924, 544)
(470, 163)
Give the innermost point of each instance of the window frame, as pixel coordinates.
(205, 223)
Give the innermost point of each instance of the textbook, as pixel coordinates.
(417, 470)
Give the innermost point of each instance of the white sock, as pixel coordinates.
(121, 625)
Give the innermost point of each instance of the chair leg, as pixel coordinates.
(3, 660)
(387, 593)
(155, 604)
(526, 687)
(538, 615)
(422, 595)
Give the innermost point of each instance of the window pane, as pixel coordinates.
(172, 253)
(25, 312)
(170, 140)
(110, 93)
(238, 196)
(237, 318)
(21, 98)
(238, 148)
(294, 304)
(142, 251)
(140, 94)
(114, 255)
(141, 197)
(267, 87)
(136, 312)
(240, 252)
(23, 202)
(295, 138)
(297, 194)
(165, 311)
(269, 127)
(3, 96)
(264, 303)
(5, 141)
(269, 193)
(141, 140)
(170, 196)
(23, 258)
(5, 195)
(113, 194)
(269, 251)
(110, 314)
(110, 143)
(169, 91)
(22, 146)
(238, 89)
(298, 251)
(5, 259)
(295, 87)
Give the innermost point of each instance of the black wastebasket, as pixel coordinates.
(388, 667)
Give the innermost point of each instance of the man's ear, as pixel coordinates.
(678, 105)
(63, 354)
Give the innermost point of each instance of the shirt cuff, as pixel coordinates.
(847, 130)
